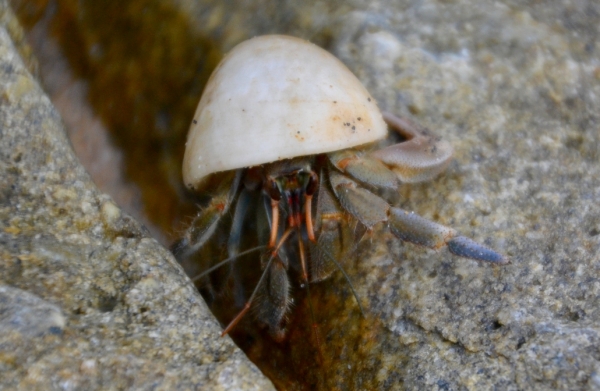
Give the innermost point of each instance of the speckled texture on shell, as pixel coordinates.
(275, 97)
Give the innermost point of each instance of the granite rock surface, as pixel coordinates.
(87, 299)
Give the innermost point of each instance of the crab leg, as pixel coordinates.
(239, 214)
(315, 329)
(364, 168)
(205, 223)
(272, 267)
(332, 239)
(368, 208)
(413, 228)
(233, 243)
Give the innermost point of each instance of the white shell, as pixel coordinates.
(276, 97)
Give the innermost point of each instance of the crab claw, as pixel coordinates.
(420, 158)
(413, 228)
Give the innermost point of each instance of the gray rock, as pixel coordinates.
(514, 88)
(28, 314)
(516, 99)
(87, 299)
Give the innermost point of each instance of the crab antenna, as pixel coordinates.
(225, 261)
(248, 304)
(345, 276)
(308, 218)
(311, 187)
(302, 259)
(275, 223)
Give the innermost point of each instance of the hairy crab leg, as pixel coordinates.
(248, 304)
(237, 223)
(333, 237)
(413, 228)
(233, 243)
(315, 328)
(205, 223)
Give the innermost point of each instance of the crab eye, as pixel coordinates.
(312, 183)
(272, 189)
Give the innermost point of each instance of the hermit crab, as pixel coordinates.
(293, 149)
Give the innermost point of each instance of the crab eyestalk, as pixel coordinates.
(274, 191)
(311, 188)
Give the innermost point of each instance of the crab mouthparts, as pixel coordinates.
(295, 209)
